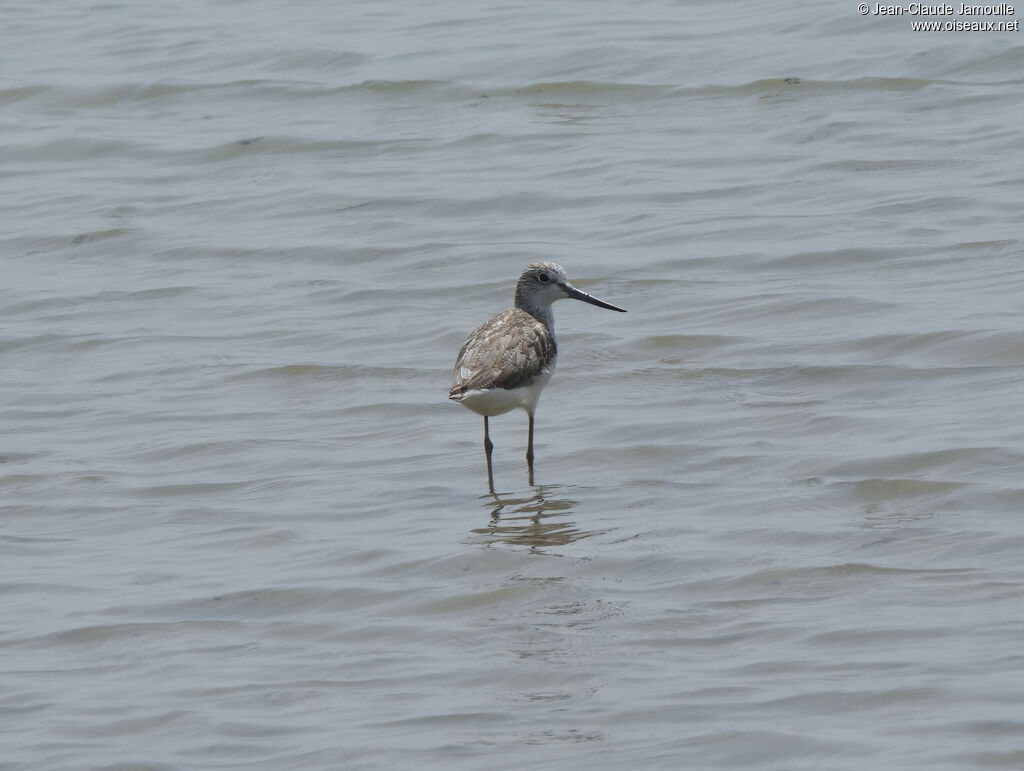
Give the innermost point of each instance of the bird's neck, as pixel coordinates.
(542, 313)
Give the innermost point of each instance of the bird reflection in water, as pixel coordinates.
(538, 521)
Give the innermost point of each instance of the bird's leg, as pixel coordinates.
(488, 447)
(529, 451)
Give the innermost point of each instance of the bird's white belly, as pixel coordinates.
(496, 401)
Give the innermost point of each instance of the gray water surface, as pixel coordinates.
(777, 519)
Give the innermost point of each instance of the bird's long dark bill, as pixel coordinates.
(576, 294)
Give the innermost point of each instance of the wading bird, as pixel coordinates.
(508, 360)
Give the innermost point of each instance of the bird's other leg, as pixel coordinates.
(529, 451)
(488, 447)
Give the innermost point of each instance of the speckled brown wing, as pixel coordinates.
(506, 352)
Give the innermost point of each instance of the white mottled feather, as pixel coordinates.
(504, 364)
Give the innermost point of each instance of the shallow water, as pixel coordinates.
(776, 519)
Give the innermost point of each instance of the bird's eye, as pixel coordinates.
(544, 278)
